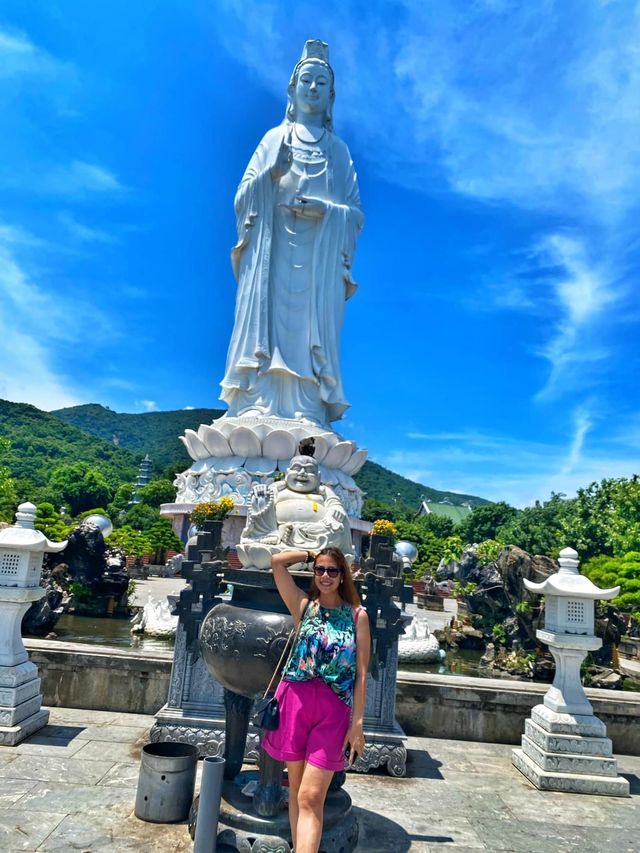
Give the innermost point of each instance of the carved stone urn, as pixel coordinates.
(242, 640)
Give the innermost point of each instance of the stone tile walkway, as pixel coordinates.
(71, 787)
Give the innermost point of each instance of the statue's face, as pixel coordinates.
(302, 475)
(313, 88)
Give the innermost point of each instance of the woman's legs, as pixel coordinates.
(295, 770)
(312, 792)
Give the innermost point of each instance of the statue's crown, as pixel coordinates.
(315, 49)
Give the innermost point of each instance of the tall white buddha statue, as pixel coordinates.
(298, 216)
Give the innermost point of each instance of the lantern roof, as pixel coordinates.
(568, 581)
(23, 535)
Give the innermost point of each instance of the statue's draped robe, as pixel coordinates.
(293, 276)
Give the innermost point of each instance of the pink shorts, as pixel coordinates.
(313, 725)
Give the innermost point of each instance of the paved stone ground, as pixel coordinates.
(72, 787)
(157, 588)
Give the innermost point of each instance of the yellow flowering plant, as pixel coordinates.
(211, 511)
(384, 527)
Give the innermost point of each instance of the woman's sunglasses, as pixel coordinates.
(332, 571)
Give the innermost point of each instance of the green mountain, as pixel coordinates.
(40, 442)
(156, 433)
(383, 485)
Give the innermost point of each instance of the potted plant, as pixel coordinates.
(209, 516)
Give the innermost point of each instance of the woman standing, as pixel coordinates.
(323, 688)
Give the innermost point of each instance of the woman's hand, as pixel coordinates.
(355, 740)
(284, 158)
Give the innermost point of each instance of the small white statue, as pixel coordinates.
(294, 513)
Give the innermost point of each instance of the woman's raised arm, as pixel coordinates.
(291, 593)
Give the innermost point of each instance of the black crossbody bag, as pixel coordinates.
(266, 711)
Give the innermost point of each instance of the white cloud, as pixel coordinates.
(27, 371)
(148, 405)
(79, 178)
(505, 101)
(504, 467)
(82, 232)
(20, 56)
(37, 322)
(583, 291)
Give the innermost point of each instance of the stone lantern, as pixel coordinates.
(22, 549)
(565, 747)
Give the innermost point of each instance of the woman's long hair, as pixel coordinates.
(347, 589)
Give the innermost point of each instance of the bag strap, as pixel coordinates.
(293, 633)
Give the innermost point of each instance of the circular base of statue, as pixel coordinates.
(241, 830)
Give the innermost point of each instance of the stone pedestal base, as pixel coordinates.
(242, 830)
(13, 735)
(20, 703)
(383, 749)
(563, 752)
(206, 732)
(202, 730)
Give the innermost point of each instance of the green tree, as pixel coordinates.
(120, 502)
(141, 516)
(440, 525)
(157, 492)
(80, 486)
(132, 542)
(49, 522)
(8, 495)
(372, 510)
(625, 517)
(605, 518)
(623, 571)
(484, 522)
(540, 529)
(163, 539)
(430, 547)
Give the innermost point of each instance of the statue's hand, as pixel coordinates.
(284, 158)
(309, 207)
(260, 498)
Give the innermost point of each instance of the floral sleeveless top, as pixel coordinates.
(326, 649)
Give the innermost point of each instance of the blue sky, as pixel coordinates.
(492, 347)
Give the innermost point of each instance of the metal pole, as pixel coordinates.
(209, 805)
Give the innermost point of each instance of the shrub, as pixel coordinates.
(211, 511)
(384, 527)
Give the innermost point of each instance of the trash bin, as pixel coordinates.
(166, 782)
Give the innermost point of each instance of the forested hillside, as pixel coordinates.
(156, 433)
(383, 485)
(39, 442)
